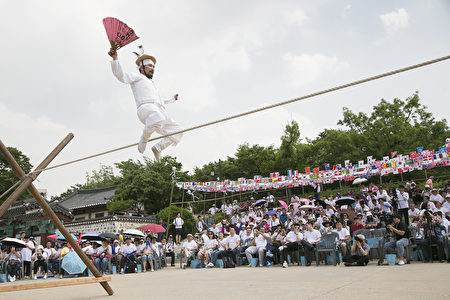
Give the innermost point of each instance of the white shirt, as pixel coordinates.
(413, 213)
(343, 233)
(26, 252)
(222, 244)
(178, 222)
(211, 243)
(437, 197)
(50, 251)
(232, 241)
(312, 236)
(402, 199)
(189, 245)
(128, 249)
(144, 89)
(260, 241)
(213, 211)
(293, 237)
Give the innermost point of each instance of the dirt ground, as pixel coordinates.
(414, 281)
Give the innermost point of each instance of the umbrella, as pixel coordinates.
(270, 213)
(344, 201)
(134, 232)
(52, 237)
(304, 200)
(306, 207)
(108, 235)
(73, 264)
(13, 242)
(359, 180)
(260, 202)
(321, 203)
(283, 204)
(91, 236)
(62, 238)
(152, 228)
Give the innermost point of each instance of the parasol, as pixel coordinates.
(73, 264)
(134, 232)
(283, 204)
(13, 242)
(152, 228)
(344, 201)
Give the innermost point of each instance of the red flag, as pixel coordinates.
(307, 170)
(393, 154)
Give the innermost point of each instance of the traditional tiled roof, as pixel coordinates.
(114, 218)
(29, 209)
(55, 206)
(88, 198)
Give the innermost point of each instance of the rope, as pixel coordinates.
(10, 189)
(429, 62)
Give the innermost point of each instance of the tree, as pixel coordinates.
(8, 177)
(102, 178)
(188, 218)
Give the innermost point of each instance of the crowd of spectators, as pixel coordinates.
(268, 232)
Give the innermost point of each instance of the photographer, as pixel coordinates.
(402, 198)
(359, 252)
(400, 232)
(258, 246)
(40, 260)
(433, 234)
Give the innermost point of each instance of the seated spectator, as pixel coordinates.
(276, 241)
(52, 258)
(290, 243)
(189, 248)
(208, 248)
(214, 229)
(12, 258)
(372, 221)
(169, 248)
(400, 232)
(413, 211)
(258, 246)
(115, 250)
(147, 255)
(344, 238)
(359, 252)
(127, 253)
(221, 250)
(246, 237)
(39, 259)
(311, 238)
(102, 257)
(357, 224)
(233, 243)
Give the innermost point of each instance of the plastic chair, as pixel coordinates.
(328, 244)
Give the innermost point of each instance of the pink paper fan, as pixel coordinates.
(119, 34)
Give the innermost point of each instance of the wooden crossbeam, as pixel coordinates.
(28, 183)
(50, 284)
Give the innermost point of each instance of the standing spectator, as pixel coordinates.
(39, 259)
(178, 222)
(26, 256)
(401, 233)
(403, 201)
(258, 246)
(13, 258)
(200, 225)
(430, 182)
(209, 221)
(311, 238)
(316, 191)
(359, 252)
(161, 234)
(270, 198)
(213, 210)
(433, 234)
(188, 249)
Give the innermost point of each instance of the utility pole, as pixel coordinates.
(170, 202)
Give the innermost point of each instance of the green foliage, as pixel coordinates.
(102, 178)
(7, 176)
(119, 205)
(188, 218)
(218, 217)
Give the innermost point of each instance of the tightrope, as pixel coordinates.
(429, 62)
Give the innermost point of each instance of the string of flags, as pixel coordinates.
(396, 164)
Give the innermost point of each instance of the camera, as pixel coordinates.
(358, 239)
(386, 218)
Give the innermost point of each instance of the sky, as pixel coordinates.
(221, 57)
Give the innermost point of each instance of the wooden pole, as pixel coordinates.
(44, 205)
(26, 181)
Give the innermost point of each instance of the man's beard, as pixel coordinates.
(149, 76)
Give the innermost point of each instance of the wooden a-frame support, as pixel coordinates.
(27, 183)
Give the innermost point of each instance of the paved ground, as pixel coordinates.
(414, 281)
